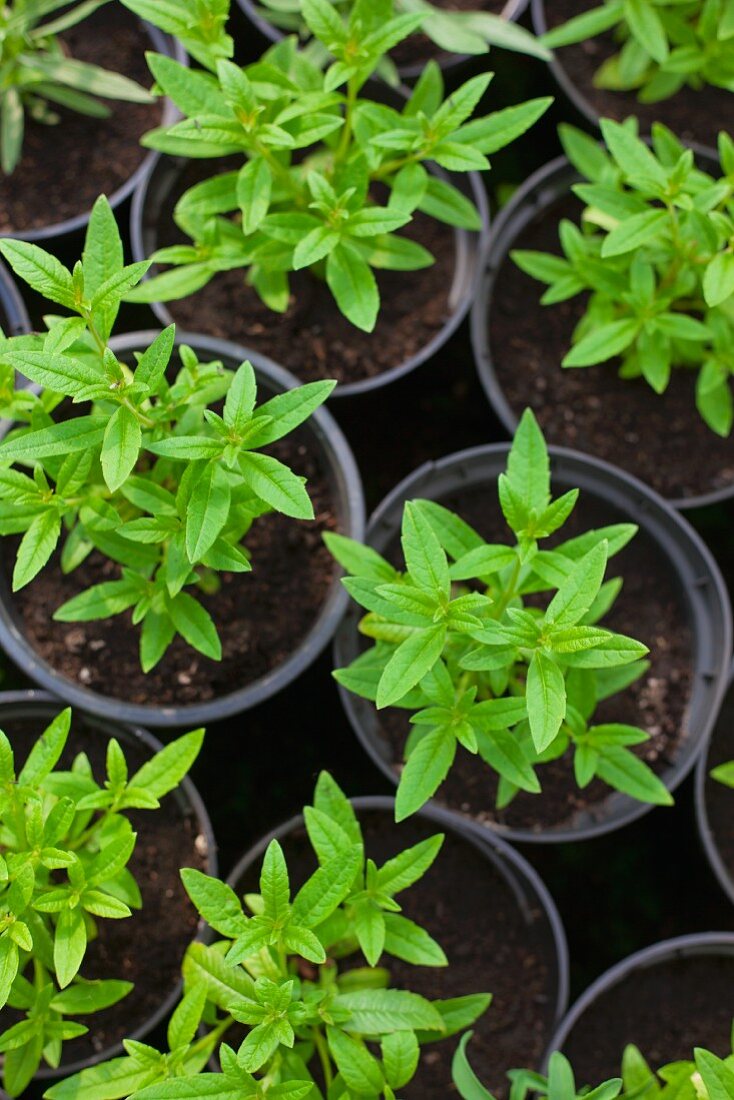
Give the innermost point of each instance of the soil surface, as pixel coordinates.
(695, 116)
(419, 48)
(261, 616)
(661, 439)
(650, 608)
(313, 339)
(468, 907)
(719, 798)
(148, 947)
(65, 167)
(666, 1010)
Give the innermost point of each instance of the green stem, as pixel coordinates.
(323, 1053)
(346, 134)
(509, 593)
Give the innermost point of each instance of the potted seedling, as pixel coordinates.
(333, 240)
(664, 61)
(70, 814)
(133, 480)
(448, 34)
(666, 1001)
(633, 245)
(559, 1084)
(297, 995)
(490, 667)
(73, 78)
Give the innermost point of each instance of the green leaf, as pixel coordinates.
(353, 285)
(577, 594)
(216, 902)
(409, 664)
(164, 771)
(400, 1053)
(60, 373)
(718, 280)
(326, 889)
(99, 602)
(254, 190)
(120, 447)
(36, 547)
(424, 555)
(602, 343)
(407, 868)
(426, 768)
(406, 940)
(647, 27)
(278, 486)
(80, 434)
(70, 944)
(207, 510)
(464, 1077)
(546, 699)
(360, 1070)
(42, 271)
(528, 468)
(152, 364)
(378, 1011)
(624, 771)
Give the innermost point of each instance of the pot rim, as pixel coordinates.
(705, 832)
(469, 247)
(698, 943)
(491, 846)
(538, 193)
(160, 43)
(341, 465)
(699, 578)
(12, 304)
(188, 798)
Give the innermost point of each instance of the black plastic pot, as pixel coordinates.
(14, 318)
(347, 486)
(704, 786)
(449, 63)
(540, 192)
(159, 181)
(701, 585)
(38, 705)
(160, 43)
(536, 906)
(704, 943)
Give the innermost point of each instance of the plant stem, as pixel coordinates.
(323, 1053)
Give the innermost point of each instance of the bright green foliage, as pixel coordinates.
(655, 249)
(65, 842)
(706, 1077)
(274, 969)
(35, 71)
(314, 151)
(560, 1083)
(665, 45)
(457, 643)
(724, 774)
(197, 24)
(460, 32)
(149, 474)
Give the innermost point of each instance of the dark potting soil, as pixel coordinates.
(661, 439)
(419, 48)
(313, 339)
(719, 798)
(65, 167)
(261, 616)
(666, 1010)
(469, 908)
(650, 608)
(148, 947)
(695, 116)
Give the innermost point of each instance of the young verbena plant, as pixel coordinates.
(655, 252)
(457, 642)
(65, 842)
(146, 472)
(665, 45)
(36, 72)
(198, 25)
(458, 32)
(328, 177)
(560, 1084)
(276, 972)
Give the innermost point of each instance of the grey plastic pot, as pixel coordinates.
(540, 192)
(160, 43)
(14, 318)
(40, 706)
(534, 901)
(159, 181)
(701, 586)
(512, 11)
(704, 943)
(703, 786)
(347, 487)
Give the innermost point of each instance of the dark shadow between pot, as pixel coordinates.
(160, 43)
(698, 580)
(41, 706)
(704, 944)
(345, 481)
(536, 906)
(449, 63)
(159, 181)
(706, 786)
(540, 192)
(14, 319)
